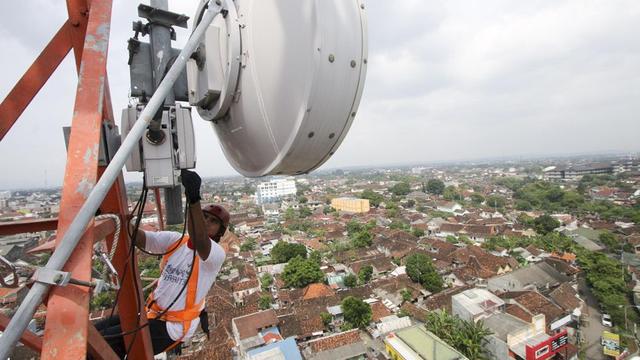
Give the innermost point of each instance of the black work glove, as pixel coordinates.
(191, 182)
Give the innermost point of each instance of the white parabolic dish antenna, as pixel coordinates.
(280, 80)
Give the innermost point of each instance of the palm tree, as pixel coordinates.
(466, 337)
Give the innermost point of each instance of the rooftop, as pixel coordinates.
(335, 341)
(477, 300)
(282, 350)
(250, 325)
(540, 274)
(317, 290)
(503, 324)
(417, 343)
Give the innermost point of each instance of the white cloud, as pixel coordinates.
(447, 80)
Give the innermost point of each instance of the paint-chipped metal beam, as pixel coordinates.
(131, 287)
(34, 78)
(99, 349)
(27, 226)
(66, 331)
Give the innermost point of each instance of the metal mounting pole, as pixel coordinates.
(160, 41)
(76, 229)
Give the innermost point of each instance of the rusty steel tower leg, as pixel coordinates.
(66, 330)
(34, 79)
(128, 308)
(72, 36)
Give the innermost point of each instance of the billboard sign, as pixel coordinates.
(610, 344)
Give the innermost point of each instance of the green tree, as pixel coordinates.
(365, 274)
(451, 193)
(284, 251)
(354, 226)
(400, 189)
(266, 281)
(300, 272)
(610, 240)
(248, 245)
(452, 239)
(420, 269)
(411, 203)
(572, 200)
(523, 205)
(350, 280)
(103, 300)
(525, 220)
(417, 232)
(290, 214)
(545, 224)
(316, 257)
(465, 336)
(326, 319)
(608, 282)
(406, 294)
(435, 186)
(356, 312)
(496, 201)
(264, 302)
(374, 198)
(477, 198)
(397, 224)
(304, 211)
(362, 239)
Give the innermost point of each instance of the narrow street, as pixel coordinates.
(593, 331)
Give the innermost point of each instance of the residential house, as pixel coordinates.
(286, 349)
(416, 343)
(448, 206)
(497, 264)
(244, 288)
(380, 264)
(341, 346)
(249, 331)
(511, 335)
(476, 304)
(527, 304)
(540, 276)
(392, 323)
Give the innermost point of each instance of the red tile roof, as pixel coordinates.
(317, 290)
(335, 341)
(536, 304)
(379, 310)
(565, 296)
(271, 337)
(250, 325)
(245, 285)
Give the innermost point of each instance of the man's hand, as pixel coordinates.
(191, 182)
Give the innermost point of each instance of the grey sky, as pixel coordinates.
(447, 80)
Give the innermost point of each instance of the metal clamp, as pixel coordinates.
(52, 277)
(61, 278)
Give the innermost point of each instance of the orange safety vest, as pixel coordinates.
(191, 310)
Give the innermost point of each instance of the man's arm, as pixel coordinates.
(198, 231)
(141, 238)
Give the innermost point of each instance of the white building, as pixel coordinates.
(476, 304)
(275, 189)
(5, 195)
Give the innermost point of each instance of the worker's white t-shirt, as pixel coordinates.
(176, 272)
